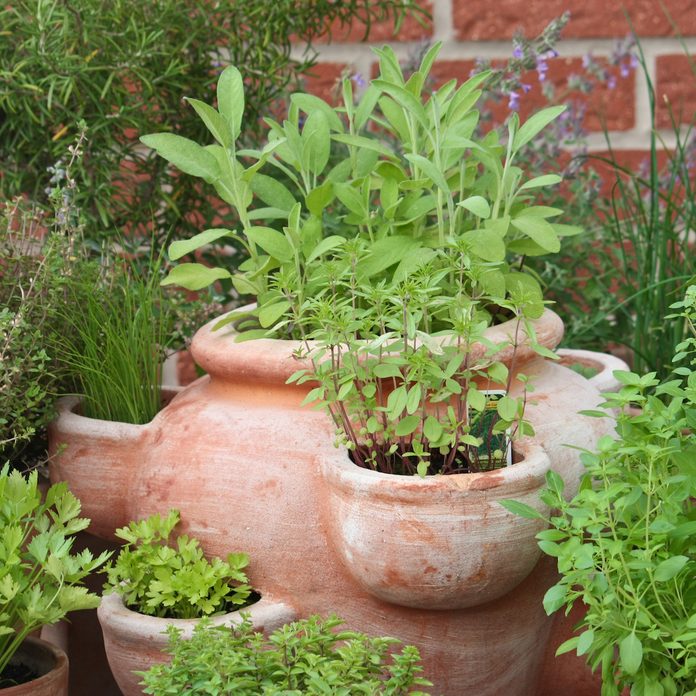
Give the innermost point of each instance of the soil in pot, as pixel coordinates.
(37, 668)
(15, 674)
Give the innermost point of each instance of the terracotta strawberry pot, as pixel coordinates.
(135, 642)
(246, 465)
(46, 660)
(442, 542)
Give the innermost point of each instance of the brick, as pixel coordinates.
(411, 29)
(487, 20)
(613, 107)
(634, 161)
(323, 80)
(676, 82)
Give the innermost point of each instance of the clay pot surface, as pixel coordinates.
(135, 642)
(46, 659)
(242, 460)
(603, 363)
(440, 542)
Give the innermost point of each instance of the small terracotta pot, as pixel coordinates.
(604, 363)
(440, 542)
(135, 642)
(46, 659)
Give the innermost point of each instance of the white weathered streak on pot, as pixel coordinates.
(135, 642)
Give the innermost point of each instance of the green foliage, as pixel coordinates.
(304, 657)
(402, 196)
(403, 237)
(38, 268)
(121, 67)
(65, 309)
(116, 344)
(173, 579)
(39, 576)
(616, 285)
(626, 544)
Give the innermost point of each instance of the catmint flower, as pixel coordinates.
(358, 80)
(611, 82)
(625, 69)
(517, 52)
(513, 100)
(526, 87)
(542, 68)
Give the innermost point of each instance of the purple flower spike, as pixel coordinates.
(517, 52)
(542, 68)
(513, 100)
(358, 80)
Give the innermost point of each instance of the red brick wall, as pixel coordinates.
(484, 28)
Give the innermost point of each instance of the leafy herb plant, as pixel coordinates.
(391, 263)
(40, 579)
(172, 578)
(304, 657)
(626, 544)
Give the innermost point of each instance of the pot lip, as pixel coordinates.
(60, 665)
(67, 418)
(122, 620)
(606, 363)
(272, 359)
(526, 475)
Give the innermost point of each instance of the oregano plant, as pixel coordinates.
(310, 656)
(386, 236)
(626, 543)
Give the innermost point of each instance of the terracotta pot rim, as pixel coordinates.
(74, 422)
(120, 619)
(60, 665)
(272, 359)
(528, 474)
(605, 363)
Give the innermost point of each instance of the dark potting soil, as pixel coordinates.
(15, 674)
(401, 465)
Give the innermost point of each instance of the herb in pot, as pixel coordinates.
(173, 579)
(40, 579)
(391, 263)
(626, 543)
(304, 657)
